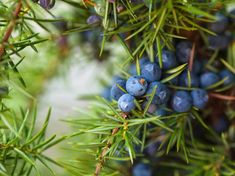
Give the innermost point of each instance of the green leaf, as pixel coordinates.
(228, 66)
(24, 156)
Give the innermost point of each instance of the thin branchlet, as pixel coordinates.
(10, 27)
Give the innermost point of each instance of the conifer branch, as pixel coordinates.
(10, 27)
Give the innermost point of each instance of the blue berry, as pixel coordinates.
(168, 60)
(141, 169)
(47, 4)
(93, 19)
(161, 111)
(152, 107)
(182, 101)
(200, 98)
(184, 79)
(221, 124)
(116, 78)
(106, 93)
(229, 75)
(132, 69)
(136, 85)
(142, 62)
(183, 51)
(197, 66)
(151, 72)
(116, 92)
(126, 103)
(152, 148)
(219, 42)
(162, 94)
(209, 78)
(220, 25)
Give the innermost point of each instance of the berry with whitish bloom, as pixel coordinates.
(200, 98)
(168, 60)
(209, 78)
(162, 93)
(151, 72)
(136, 85)
(93, 20)
(184, 79)
(229, 75)
(219, 42)
(182, 101)
(151, 109)
(126, 103)
(116, 92)
(141, 169)
(220, 24)
(183, 51)
(47, 4)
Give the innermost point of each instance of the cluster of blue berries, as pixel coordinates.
(221, 28)
(140, 87)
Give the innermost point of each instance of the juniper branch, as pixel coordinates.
(10, 27)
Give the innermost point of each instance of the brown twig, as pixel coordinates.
(10, 27)
(223, 97)
(100, 164)
(191, 58)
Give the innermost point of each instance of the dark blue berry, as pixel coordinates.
(152, 107)
(229, 75)
(142, 62)
(151, 72)
(168, 60)
(183, 51)
(161, 111)
(126, 103)
(221, 124)
(209, 78)
(220, 25)
(200, 98)
(152, 148)
(136, 85)
(184, 79)
(47, 4)
(162, 94)
(106, 93)
(141, 169)
(116, 92)
(93, 19)
(182, 101)
(197, 66)
(219, 42)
